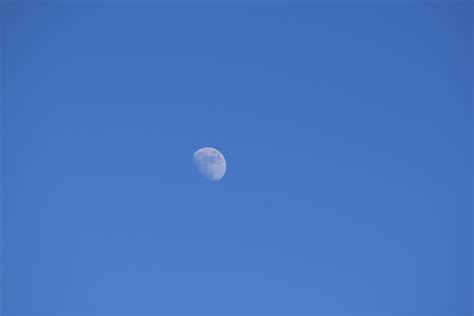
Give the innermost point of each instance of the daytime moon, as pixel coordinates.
(210, 163)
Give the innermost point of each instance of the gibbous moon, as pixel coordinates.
(210, 163)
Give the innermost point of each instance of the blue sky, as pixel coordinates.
(347, 132)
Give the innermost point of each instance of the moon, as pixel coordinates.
(210, 163)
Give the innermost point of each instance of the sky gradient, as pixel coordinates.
(347, 130)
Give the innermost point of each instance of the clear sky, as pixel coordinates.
(347, 130)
